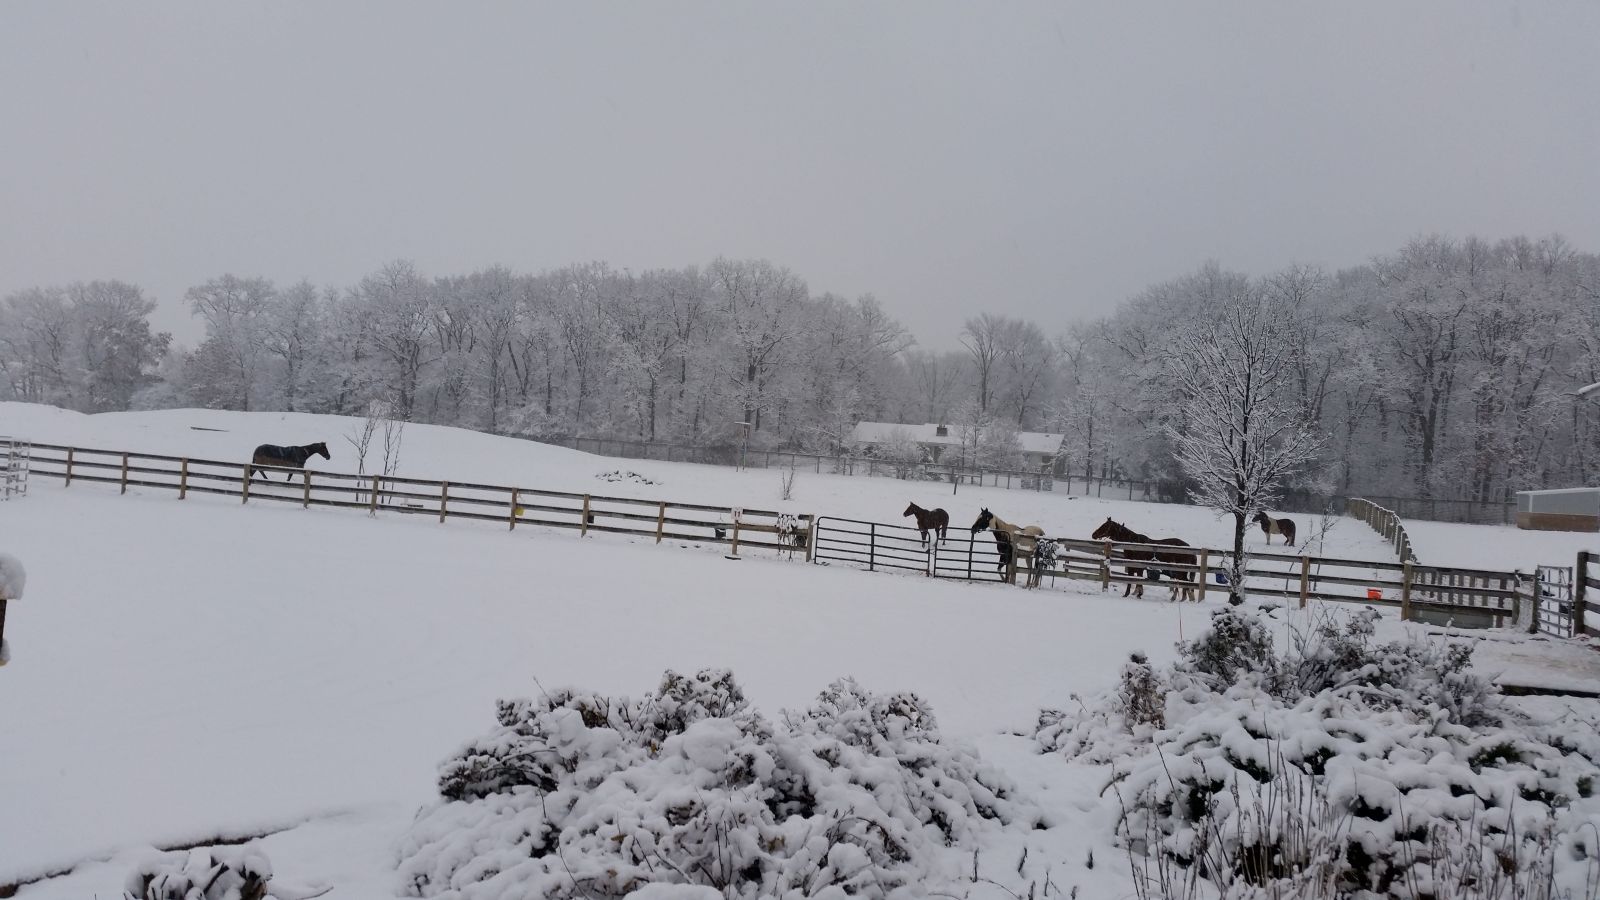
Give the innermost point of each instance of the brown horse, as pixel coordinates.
(1271, 526)
(1116, 531)
(934, 520)
(287, 457)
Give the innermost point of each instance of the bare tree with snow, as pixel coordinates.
(1238, 427)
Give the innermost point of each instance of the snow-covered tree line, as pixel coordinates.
(86, 346)
(1441, 370)
(1444, 370)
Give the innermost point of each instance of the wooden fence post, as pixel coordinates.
(1205, 560)
(1580, 592)
(183, 479)
(244, 491)
(124, 473)
(444, 499)
(736, 535)
(69, 468)
(511, 517)
(661, 520)
(1405, 591)
(583, 526)
(1305, 578)
(811, 537)
(372, 501)
(872, 547)
(1105, 566)
(305, 500)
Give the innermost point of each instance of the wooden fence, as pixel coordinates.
(1478, 595)
(1384, 522)
(740, 529)
(1408, 585)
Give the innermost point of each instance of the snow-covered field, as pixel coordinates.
(184, 670)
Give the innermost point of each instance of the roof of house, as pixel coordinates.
(882, 432)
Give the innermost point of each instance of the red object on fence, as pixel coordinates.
(1374, 594)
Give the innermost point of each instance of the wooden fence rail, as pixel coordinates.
(1482, 595)
(738, 528)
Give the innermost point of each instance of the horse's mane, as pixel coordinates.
(1125, 535)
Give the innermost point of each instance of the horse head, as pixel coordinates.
(321, 448)
(910, 510)
(1261, 518)
(1107, 530)
(985, 518)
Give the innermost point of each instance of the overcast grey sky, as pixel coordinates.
(1036, 160)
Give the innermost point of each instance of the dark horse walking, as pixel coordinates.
(287, 457)
(934, 520)
(1122, 534)
(1271, 526)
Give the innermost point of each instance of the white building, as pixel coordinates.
(1040, 450)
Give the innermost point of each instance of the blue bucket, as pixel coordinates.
(1222, 577)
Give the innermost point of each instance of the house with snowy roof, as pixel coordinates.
(1040, 450)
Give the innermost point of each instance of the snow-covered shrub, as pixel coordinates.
(1342, 768)
(212, 873)
(1235, 645)
(580, 795)
(1141, 697)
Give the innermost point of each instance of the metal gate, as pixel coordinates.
(14, 459)
(1552, 610)
(871, 545)
(969, 558)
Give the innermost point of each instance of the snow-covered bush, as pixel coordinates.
(1342, 768)
(211, 873)
(581, 795)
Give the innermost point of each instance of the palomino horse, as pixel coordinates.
(1024, 538)
(1271, 526)
(934, 520)
(287, 457)
(1116, 531)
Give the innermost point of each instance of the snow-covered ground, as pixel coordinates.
(184, 670)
